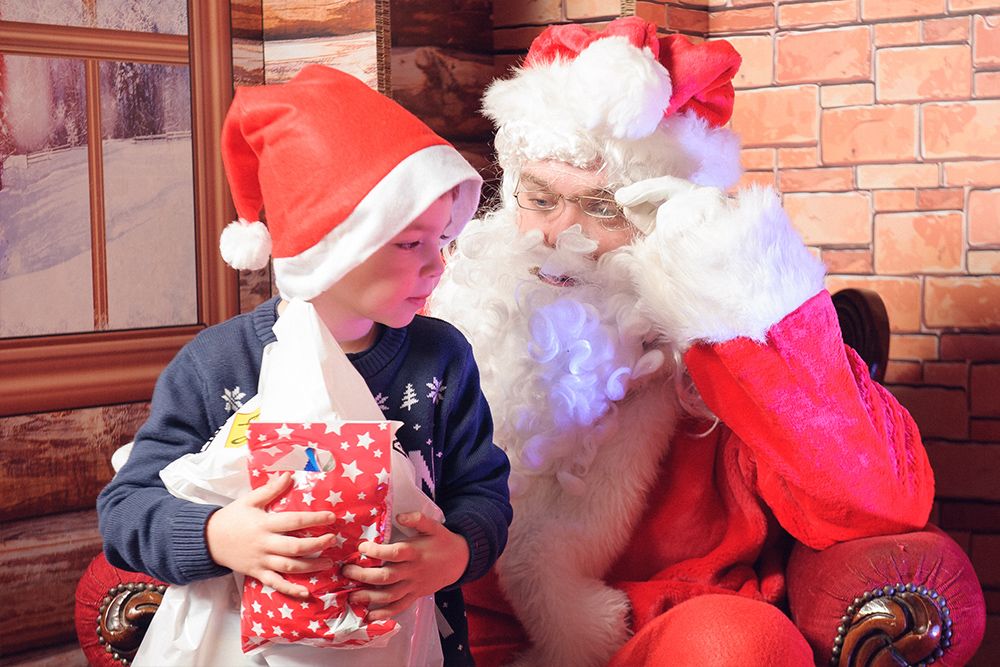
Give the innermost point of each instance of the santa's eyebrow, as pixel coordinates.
(588, 192)
(534, 180)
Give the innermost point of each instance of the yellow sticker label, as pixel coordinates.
(241, 424)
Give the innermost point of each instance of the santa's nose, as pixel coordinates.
(560, 221)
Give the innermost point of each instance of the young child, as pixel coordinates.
(360, 196)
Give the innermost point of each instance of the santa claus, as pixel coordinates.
(665, 369)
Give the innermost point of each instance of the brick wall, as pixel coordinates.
(879, 123)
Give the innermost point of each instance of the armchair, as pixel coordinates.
(883, 601)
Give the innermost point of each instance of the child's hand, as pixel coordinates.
(246, 538)
(414, 567)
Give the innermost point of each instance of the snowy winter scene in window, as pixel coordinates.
(45, 229)
(163, 16)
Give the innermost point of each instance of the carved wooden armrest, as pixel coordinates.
(124, 615)
(891, 626)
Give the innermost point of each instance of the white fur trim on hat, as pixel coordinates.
(618, 89)
(606, 107)
(245, 245)
(395, 201)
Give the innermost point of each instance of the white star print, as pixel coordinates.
(256, 607)
(383, 426)
(307, 498)
(339, 539)
(333, 426)
(286, 611)
(283, 432)
(349, 517)
(258, 629)
(267, 590)
(377, 453)
(364, 440)
(369, 532)
(329, 600)
(334, 497)
(314, 625)
(351, 470)
(278, 631)
(382, 476)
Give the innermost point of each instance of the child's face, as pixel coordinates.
(392, 285)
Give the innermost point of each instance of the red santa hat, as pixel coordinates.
(624, 99)
(338, 168)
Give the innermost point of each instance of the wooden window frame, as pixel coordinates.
(58, 372)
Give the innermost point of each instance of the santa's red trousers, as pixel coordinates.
(718, 630)
(706, 631)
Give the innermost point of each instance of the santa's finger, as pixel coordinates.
(699, 209)
(376, 576)
(652, 190)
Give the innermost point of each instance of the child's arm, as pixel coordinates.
(146, 529)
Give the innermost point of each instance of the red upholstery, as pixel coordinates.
(823, 584)
(97, 583)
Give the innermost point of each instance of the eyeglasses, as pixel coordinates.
(604, 209)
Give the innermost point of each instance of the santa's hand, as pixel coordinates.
(246, 538)
(641, 201)
(412, 568)
(716, 267)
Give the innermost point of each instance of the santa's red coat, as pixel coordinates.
(807, 441)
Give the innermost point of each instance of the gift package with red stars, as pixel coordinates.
(342, 467)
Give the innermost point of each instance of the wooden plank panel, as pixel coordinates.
(59, 461)
(297, 19)
(41, 561)
(444, 89)
(463, 25)
(247, 18)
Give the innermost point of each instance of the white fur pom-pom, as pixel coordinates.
(245, 245)
(619, 88)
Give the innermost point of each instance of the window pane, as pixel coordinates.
(163, 16)
(45, 262)
(148, 194)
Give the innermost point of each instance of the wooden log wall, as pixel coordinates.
(54, 466)
(441, 62)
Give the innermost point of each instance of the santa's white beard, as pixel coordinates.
(553, 359)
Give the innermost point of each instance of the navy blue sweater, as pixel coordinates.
(423, 375)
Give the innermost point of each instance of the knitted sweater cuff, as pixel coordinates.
(190, 546)
(480, 551)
